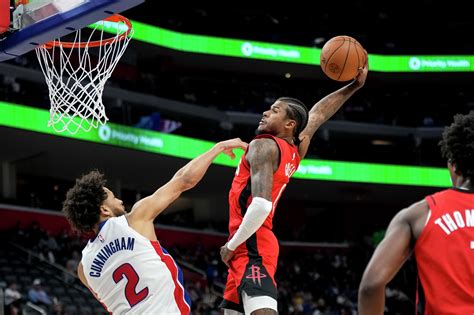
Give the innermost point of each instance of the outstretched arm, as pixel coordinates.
(327, 107)
(389, 257)
(186, 178)
(263, 157)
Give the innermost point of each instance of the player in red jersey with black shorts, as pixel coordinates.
(440, 231)
(251, 253)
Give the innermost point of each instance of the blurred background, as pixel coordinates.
(328, 227)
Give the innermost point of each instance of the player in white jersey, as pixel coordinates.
(124, 265)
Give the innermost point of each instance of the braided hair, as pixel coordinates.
(297, 111)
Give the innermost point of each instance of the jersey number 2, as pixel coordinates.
(132, 296)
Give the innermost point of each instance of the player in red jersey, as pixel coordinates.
(440, 230)
(284, 135)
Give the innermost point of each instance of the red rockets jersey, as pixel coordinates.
(445, 253)
(240, 195)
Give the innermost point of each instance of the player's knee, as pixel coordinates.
(264, 311)
(259, 305)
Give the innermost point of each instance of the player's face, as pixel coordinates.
(113, 204)
(273, 120)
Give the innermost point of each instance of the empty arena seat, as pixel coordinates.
(99, 310)
(59, 291)
(71, 309)
(6, 269)
(11, 278)
(86, 310)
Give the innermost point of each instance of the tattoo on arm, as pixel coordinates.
(326, 108)
(263, 156)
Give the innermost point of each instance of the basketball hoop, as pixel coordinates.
(76, 74)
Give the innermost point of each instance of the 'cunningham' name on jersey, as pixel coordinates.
(450, 223)
(107, 251)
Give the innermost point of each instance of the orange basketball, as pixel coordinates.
(341, 57)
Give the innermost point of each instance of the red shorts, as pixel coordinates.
(252, 269)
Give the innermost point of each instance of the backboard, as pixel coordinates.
(35, 22)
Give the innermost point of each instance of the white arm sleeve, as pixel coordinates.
(256, 214)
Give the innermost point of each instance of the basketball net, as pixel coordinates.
(76, 78)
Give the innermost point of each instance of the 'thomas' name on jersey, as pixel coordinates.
(450, 222)
(445, 253)
(130, 274)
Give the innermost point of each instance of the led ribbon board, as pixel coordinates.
(33, 119)
(289, 53)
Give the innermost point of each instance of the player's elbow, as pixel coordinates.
(268, 210)
(366, 289)
(186, 182)
(260, 208)
(369, 285)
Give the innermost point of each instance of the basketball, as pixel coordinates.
(341, 57)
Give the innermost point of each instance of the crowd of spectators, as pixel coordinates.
(15, 299)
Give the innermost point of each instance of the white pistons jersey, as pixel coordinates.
(130, 274)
